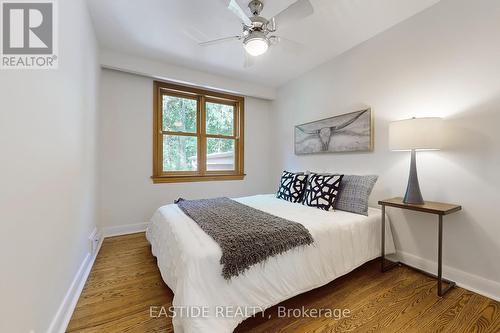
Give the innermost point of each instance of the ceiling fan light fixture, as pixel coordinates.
(256, 44)
(257, 31)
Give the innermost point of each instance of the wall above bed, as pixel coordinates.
(443, 62)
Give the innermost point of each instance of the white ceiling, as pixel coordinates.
(168, 31)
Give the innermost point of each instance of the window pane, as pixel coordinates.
(220, 119)
(180, 153)
(179, 114)
(220, 154)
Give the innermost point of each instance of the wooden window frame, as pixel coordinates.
(201, 96)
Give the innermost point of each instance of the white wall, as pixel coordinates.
(182, 75)
(47, 178)
(127, 194)
(444, 62)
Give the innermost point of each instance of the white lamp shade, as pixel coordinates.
(416, 133)
(256, 46)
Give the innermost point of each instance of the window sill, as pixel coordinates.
(186, 179)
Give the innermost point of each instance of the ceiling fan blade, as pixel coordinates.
(296, 11)
(249, 60)
(271, 26)
(195, 34)
(287, 44)
(233, 6)
(220, 40)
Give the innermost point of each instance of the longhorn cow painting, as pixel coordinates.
(350, 132)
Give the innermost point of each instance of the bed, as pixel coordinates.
(188, 260)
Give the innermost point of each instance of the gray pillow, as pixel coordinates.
(354, 193)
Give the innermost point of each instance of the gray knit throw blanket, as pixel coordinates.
(246, 235)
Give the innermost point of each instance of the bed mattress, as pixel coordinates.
(188, 260)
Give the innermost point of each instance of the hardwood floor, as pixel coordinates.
(125, 282)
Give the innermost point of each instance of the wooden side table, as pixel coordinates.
(437, 208)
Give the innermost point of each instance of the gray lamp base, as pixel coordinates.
(413, 195)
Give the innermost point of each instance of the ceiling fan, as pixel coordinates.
(258, 32)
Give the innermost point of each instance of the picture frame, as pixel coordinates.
(344, 133)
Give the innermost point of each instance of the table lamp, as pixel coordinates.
(415, 134)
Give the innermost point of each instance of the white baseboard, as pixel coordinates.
(124, 229)
(463, 279)
(63, 315)
(65, 311)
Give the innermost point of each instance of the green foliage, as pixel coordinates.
(179, 153)
(220, 119)
(179, 114)
(219, 145)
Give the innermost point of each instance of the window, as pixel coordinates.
(198, 135)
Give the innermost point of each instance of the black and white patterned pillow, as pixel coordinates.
(292, 186)
(322, 191)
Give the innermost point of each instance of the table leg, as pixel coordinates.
(383, 240)
(440, 256)
(383, 267)
(451, 284)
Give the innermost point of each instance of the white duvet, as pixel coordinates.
(189, 262)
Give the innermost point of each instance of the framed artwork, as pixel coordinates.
(350, 132)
